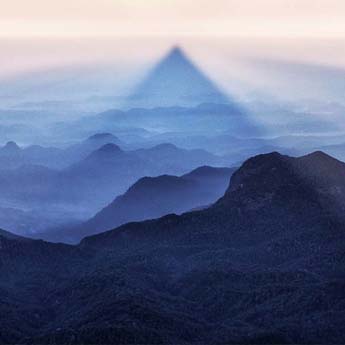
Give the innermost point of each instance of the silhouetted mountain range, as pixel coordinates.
(202, 118)
(13, 156)
(264, 264)
(152, 197)
(34, 194)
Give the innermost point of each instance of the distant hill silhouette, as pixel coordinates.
(10, 147)
(43, 187)
(203, 118)
(13, 156)
(153, 197)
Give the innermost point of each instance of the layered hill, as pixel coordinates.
(153, 197)
(264, 264)
(14, 156)
(35, 197)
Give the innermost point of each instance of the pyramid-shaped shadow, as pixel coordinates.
(176, 81)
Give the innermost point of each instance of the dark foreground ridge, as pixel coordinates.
(264, 264)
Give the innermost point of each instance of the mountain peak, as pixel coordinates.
(107, 151)
(109, 148)
(273, 178)
(261, 173)
(150, 184)
(319, 156)
(165, 146)
(208, 171)
(11, 146)
(101, 136)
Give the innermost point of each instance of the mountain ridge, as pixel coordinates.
(275, 182)
(152, 197)
(261, 265)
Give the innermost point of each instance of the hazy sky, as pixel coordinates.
(228, 38)
(311, 18)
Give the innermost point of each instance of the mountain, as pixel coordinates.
(110, 161)
(10, 148)
(267, 190)
(111, 166)
(202, 118)
(10, 236)
(35, 197)
(176, 80)
(103, 138)
(264, 264)
(168, 156)
(107, 166)
(13, 156)
(105, 152)
(10, 155)
(92, 143)
(153, 197)
(160, 158)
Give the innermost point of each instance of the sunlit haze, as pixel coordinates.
(306, 18)
(245, 46)
(43, 34)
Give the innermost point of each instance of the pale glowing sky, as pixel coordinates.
(306, 18)
(226, 38)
